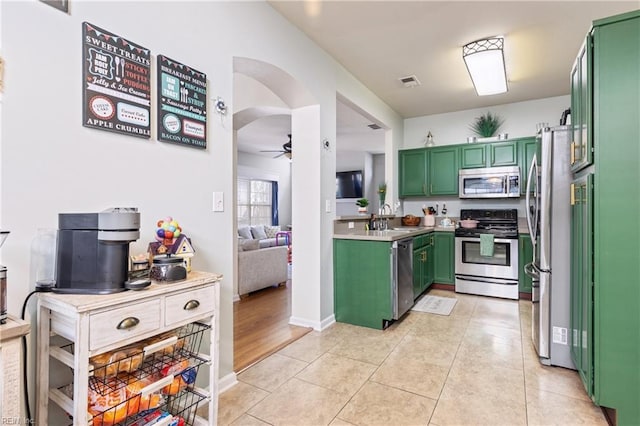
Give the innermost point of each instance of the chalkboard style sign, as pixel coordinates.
(117, 84)
(182, 105)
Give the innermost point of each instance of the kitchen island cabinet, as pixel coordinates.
(605, 300)
(73, 328)
(362, 282)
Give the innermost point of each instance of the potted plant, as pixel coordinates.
(382, 193)
(362, 204)
(486, 125)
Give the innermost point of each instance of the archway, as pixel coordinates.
(295, 100)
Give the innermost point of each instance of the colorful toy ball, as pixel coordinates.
(167, 230)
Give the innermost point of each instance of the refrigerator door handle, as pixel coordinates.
(530, 226)
(531, 270)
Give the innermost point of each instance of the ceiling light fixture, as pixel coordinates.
(485, 63)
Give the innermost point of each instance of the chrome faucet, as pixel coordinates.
(383, 209)
(383, 222)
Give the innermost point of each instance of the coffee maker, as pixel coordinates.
(92, 255)
(3, 282)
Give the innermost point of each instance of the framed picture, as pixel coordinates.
(62, 5)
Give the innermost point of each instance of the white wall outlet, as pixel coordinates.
(351, 225)
(218, 201)
(327, 206)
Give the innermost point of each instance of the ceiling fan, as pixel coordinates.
(286, 149)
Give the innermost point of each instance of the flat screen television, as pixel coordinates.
(349, 184)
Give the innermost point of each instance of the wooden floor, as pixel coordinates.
(261, 325)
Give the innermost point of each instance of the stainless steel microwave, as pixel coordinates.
(489, 182)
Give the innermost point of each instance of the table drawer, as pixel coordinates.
(141, 318)
(188, 305)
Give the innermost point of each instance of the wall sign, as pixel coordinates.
(117, 87)
(182, 105)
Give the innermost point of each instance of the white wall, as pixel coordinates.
(51, 164)
(453, 128)
(520, 120)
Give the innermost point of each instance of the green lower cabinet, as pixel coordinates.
(418, 271)
(525, 255)
(443, 258)
(361, 277)
(422, 263)
(429, 265)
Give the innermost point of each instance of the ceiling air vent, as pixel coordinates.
(373, 126)
(410, 81)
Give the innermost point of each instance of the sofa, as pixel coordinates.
(259, 268)
(266, 235)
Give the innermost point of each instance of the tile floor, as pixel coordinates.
(474, 367)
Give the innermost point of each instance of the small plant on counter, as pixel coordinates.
(486, 125)
(362, 202)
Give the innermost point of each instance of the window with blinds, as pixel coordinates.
(254, 202)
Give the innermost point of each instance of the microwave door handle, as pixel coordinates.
(528, 200)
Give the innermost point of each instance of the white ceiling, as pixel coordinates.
(382, 41)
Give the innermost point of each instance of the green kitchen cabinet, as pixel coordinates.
(525, 255)
(473, 156)
(443, 170)
(443, 258)
(581, 148)
(422, 263)
(581, 322)
(412, 172)
(361, 279)
(528, 147)
(492, 154)
(605, 231)
(503, 154)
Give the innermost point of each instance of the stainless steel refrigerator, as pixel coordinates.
(548, 220)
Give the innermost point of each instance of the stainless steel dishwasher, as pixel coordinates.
(402, 276)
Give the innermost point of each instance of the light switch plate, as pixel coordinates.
(327, 206)
(218, 201)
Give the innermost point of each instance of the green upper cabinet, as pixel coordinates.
(443, 170)
(582, 143)
(443, 257)
(528, 147)
(493, 154)
(503, 154)
(473, 156)
(412, 172)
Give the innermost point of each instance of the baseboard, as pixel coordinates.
(449, 287)
(236, 298)
(524, 296)
(227, 382)
(316, 325)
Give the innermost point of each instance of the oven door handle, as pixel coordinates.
(487, 280)
(495, 240)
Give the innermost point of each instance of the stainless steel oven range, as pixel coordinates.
(477, 272)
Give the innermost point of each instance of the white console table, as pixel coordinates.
(93, 323)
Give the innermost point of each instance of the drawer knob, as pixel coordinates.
(191, 305)
(128, 323)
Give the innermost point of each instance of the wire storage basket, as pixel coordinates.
(148, 382)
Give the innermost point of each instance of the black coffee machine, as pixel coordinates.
(92, 255)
